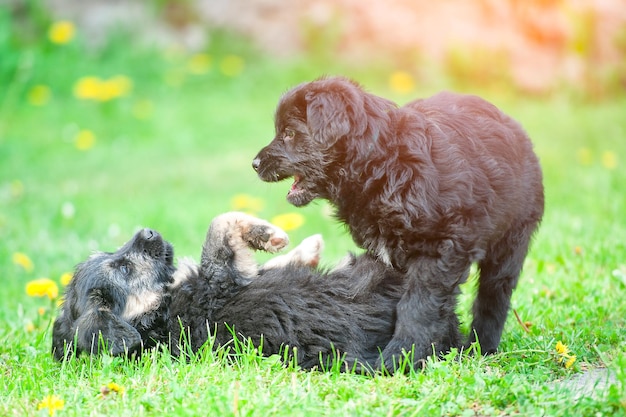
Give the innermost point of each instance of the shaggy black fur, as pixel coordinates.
(348, 312)
(428, 188)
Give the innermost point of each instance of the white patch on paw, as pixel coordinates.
(278, 239)
(310, 250)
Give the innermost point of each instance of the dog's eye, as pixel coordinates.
(289, 134)
(124, 269)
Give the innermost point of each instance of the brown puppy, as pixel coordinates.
(429, 188)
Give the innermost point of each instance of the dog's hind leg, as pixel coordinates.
(499, 273)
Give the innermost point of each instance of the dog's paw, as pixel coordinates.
(264, 236)
(309, 251)
(400, 356)
(242, 231)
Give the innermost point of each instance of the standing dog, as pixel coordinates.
(132, 299)
(429, 188)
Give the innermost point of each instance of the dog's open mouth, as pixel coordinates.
(299, 195)
(295, 189)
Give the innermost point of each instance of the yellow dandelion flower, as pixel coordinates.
(118, 86)
(39, 95)
(84, 140)
(288, 221)
(61, 32)
(24, 261)
(564, 355)
(66, 278)
(199, 64)
(401, 82)
(88, 88)
(609, 160)
(248, 203)
(41, 311)
(232, 65)
(42, 287)
(52, 403)
(111, 387)
(30, 327)
(570, 361)
(561, 348)
(115, 388)
(585, 156)
(94, 88)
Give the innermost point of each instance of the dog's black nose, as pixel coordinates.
(256, 162)
(148, 234)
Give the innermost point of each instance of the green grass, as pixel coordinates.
(180, 167)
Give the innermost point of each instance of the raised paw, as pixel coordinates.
(265, 236)
(243, 231)
(309, 251)
(232, 235)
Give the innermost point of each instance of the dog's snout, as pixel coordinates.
(256, 163)
(148, 234)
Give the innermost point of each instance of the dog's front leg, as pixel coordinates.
(426, 322)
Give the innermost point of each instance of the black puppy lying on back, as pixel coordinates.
(134, 298)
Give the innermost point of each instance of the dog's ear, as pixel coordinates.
(327, 117)
(92, 323)
(62, 336)
(98, 330)
(101, 323)
(334, 110)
